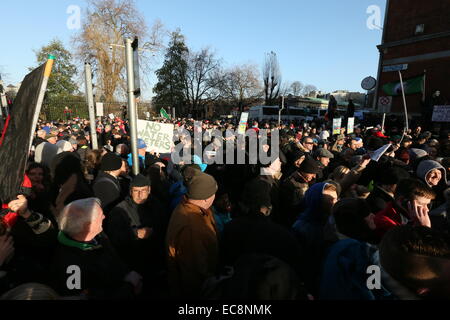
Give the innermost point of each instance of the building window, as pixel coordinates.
(420, 28)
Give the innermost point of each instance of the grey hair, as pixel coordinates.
(75, 215)
(41, 133)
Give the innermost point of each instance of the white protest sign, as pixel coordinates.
(243, 123)
(441, 114)
(350, 125)
(112, 116)
(157, 136)
(337, 125)
(99, 107)
(376, 155)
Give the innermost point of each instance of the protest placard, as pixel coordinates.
(157, 136)
(112, 116)
(99, 107)
(243, 123)
(441, 114)
(337, 125)
(350, 125)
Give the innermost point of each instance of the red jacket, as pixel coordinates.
(387, 219)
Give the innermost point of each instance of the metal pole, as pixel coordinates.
(404, 101)
(132, 105)
(90, 101)
(279, 113)
(382, 125)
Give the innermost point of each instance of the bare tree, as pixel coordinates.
(296, 88)
(271, 78)
(308, 89)
(109, 22)
(203, 79)
(285, 89)
(241, 85)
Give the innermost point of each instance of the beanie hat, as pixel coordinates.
(140, 181)
(111, 162)
(202, 186)
(309, 166)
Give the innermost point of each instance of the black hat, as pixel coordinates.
(309, 166)
(111, 162)
(140, 181)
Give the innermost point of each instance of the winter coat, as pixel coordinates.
(390, 217)
(378, 199)
(102, 272)
(192, 249)
(124, 221)
(292, 192)
(344, 275)
(256, 233)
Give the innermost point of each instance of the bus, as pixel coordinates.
(271, 113)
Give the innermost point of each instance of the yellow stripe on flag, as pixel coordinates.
(48, 68)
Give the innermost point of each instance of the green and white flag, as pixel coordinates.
(412, 86)
(164, 114)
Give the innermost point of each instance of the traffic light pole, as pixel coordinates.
(90, 101)
(132, 114)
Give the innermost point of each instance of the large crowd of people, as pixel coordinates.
(322, 221)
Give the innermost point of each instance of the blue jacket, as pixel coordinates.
(344, 275)
(141, 161)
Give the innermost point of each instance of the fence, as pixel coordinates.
(54, 110)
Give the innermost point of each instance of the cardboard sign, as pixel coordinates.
(99, 107)
(441, 114)
(157, 136)
(243, 123)
(337, 125)
(112, 116)
(350, 125)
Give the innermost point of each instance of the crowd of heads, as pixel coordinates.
(295, 228)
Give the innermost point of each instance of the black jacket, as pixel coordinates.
(102, 272)
(124, 221)
(256, 233)
(378, 200)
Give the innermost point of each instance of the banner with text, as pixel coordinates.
(157, 136)
(441, 114)
(99, 108)
(337, 125)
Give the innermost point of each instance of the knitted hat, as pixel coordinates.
(202, 186)
(140, 181)
(111, 162)
(309, 166)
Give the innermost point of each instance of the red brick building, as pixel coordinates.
(416, 33)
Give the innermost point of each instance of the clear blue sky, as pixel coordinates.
(322, 42)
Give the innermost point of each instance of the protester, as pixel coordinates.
(192, 247)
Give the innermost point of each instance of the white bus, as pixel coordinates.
(267, 113)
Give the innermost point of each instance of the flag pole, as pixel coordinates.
(424, 84)
(404, 101)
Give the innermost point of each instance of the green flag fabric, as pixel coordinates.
(412, 86)
(164, 114)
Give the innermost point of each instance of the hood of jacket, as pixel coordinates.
(428, 165)
(312, 202)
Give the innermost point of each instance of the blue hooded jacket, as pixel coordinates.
(310, 223)
(344, 275)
